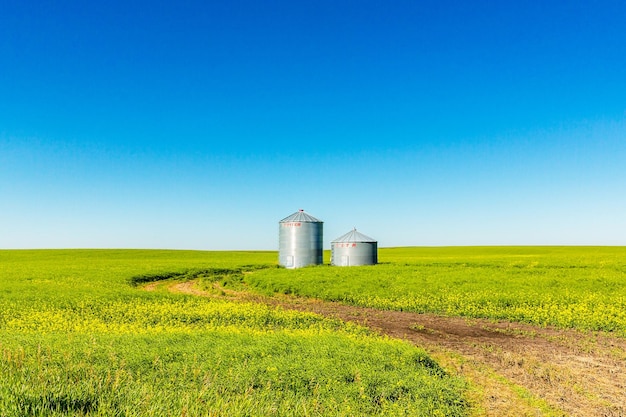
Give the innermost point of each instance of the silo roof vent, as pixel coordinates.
(354, 236)
(301, 216)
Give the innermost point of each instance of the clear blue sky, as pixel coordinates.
(201, 124)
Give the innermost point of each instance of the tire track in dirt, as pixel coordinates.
(518, 369)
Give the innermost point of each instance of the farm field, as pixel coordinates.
(567, 287)
(474, 331)
(539, 329)
(78, 336)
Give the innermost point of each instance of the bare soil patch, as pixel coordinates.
(151, 287)
(516, 369)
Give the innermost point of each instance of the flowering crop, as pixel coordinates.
(77, 339)
(577, 287)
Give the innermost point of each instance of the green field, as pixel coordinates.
(79, 336)
(568, 287)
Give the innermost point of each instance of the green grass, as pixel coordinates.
(569, 287)
(77, 337)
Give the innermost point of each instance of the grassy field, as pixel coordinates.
(567, 287)
(78, 337)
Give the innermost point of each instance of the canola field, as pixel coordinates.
(566, 287)
(78, 337)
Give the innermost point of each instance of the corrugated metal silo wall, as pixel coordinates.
(300, 244)
(354, 253)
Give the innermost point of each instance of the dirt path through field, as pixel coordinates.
(516, 369)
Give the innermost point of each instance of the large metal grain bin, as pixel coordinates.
(353, 249)
(300, 240)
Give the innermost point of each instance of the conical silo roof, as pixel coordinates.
(300, 216)
(353, 236)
